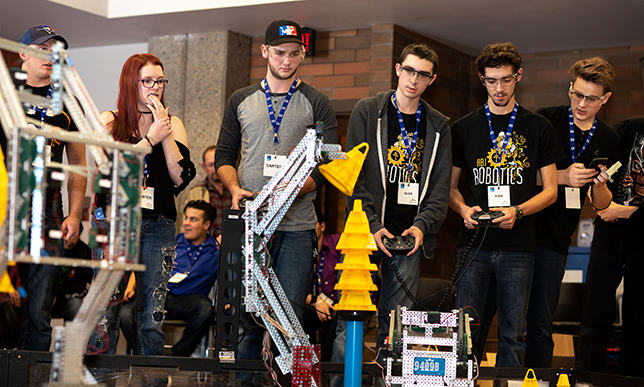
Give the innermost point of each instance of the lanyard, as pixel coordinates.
(571, 124)
(43, 110)
(195, 257)
(276, 122)
(320, 269)
(506, 138)
(409, 147)
(145, 169)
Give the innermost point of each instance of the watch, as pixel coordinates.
(519, 212)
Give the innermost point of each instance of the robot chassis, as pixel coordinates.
(429, 349)
(264, 295)
(118, 177)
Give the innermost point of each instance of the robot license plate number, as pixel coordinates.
(429, 366)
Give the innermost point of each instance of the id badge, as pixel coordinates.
(573, 198)
(272, 164)
(408, 194)
(177, 277)
(498, 196)
(147, 198)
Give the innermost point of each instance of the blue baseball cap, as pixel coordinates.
(40, 34)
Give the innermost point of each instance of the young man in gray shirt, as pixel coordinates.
(263, 122)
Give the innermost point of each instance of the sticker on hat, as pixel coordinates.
(288, 31)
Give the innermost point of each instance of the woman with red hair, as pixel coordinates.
(143, 119)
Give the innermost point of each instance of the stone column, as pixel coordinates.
(204, 69)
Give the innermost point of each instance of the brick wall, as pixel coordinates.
(546, 80)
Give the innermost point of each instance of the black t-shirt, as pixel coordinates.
(54, 201)
(556, 223)
(399, 217)
(628, 182)
(533, 145)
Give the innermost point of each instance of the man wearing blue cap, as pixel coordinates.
(41, 281)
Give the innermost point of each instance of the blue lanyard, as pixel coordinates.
(276, 122)
(320, 269)
(409, 147)
(508, 133)
(195, 257)
(43, 111)
(571, 124)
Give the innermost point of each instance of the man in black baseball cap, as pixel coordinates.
(39, 34)
(41, 281)
(271, 115)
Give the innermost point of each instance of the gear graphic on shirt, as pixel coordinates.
(396, 155)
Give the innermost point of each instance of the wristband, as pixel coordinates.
(150, 138)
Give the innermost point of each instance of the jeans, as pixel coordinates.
(196, 310)
(292, 253)
(611, 258)
(497, 279)
(157, 254)
(391, 295)
(549, 268)
(10, 316)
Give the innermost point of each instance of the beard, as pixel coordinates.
(275, 72)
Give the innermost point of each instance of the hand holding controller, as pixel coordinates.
(399, 244)
(485, 219)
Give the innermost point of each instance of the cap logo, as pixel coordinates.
(47, 29)
(288, 31)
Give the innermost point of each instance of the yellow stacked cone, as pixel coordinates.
(343, 174)
(356, 243)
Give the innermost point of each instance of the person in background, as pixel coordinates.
(142, 119)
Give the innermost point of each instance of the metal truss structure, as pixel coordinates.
(430, 349)
(264, 295)
(23, 236)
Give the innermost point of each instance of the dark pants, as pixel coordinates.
(612, 258)
(10, 316)
(320, 332)
(195, 310)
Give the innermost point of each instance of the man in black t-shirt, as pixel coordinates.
(617, 253)
(404, 182)
(41, 281)
(589, 91)
(500, 148)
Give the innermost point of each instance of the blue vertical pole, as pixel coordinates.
(353, 354)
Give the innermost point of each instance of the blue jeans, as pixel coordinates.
(157, 254)
(391, 295)
(549, 268)
(292, 253)
(497, 279)
(41, 284)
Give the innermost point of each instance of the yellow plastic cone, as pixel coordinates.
(530, 381)
(343, 174)
(563, 381)
(5, 283)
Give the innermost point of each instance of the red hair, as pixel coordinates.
(125, 125)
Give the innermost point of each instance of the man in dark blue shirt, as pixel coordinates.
(191, 279)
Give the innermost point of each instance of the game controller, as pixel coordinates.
(399, 244)
(485, 218)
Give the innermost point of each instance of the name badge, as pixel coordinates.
(177, 277)
(147, 198)
(498, 196)
(408, 193)
(573, 198)
(272, 164)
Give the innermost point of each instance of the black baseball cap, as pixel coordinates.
(283, 31)
(40, 34)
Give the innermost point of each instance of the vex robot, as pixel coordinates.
(429, 349)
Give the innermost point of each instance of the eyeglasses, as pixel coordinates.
(591, 100)
(411, 73)
(149, 83)
(294, 56)
(504, 81)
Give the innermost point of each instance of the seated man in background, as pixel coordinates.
(191, 279)
(323, 296)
